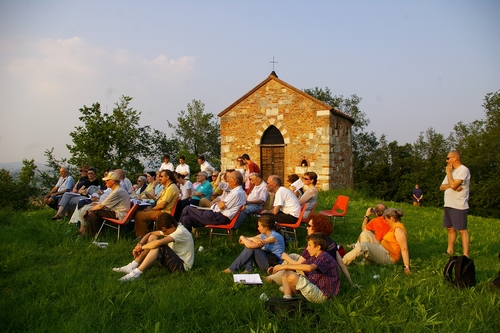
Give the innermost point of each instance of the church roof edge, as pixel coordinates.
(273, 76)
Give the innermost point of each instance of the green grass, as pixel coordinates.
(53, 281)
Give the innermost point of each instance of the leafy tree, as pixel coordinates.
(349, 106)
(429, 152)
(18, 193)
(198, 133)
(116, 140)
(49, 178)
(162, 146)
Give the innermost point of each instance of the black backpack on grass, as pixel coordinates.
(460, 271)
(496, 281)
(289, 307)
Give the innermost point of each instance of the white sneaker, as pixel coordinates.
(125, 269)
(134, 275)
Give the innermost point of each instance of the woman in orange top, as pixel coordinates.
(394, 245)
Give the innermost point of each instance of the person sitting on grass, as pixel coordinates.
(265, 249)
(393, 246)
(377, 225)
(318, 223)
(321, 280)
(172, 246)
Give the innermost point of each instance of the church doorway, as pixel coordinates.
(272, 153)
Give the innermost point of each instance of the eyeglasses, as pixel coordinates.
(214, 175)
(91, 173)
(306, 178)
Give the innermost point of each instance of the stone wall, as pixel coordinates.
(312, 133)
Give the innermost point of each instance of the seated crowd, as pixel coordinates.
(215, 199)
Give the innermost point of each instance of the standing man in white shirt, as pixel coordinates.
(183, 168)
(204, 165)
(456, 201)
(166, 165)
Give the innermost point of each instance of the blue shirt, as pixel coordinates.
(205, 188)
(277, 248)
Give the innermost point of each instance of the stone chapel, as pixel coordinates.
(285, 131)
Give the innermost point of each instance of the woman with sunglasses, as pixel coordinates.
(318, 223)
(310, 196)
(142, 183)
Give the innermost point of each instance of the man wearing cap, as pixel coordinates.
(165, 204)
(64, 184)
(70, 199)
(116, 205)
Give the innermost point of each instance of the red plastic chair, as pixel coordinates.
(339, 208)
(171, 213)
(116, 224)
(308, 218)
(295, 225)
(227, 228)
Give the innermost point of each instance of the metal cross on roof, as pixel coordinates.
(273, 62)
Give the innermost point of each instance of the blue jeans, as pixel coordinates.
(249, 209)
(246, 258)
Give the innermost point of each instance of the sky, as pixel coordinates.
(415, 64)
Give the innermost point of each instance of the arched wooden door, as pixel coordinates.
(272, 153)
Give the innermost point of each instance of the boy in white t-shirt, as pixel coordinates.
(172, 247)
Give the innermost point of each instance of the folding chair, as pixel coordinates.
(116, 224)
(295, 225)
(227, 228)
(341, 203)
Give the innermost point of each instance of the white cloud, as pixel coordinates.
(44, 82)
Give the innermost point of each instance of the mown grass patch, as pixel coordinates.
(53, 281)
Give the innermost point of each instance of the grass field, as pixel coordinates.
(53, 281)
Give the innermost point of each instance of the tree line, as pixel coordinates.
(382, 169)
(389, 171)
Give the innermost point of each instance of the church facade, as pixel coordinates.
(285, 131)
